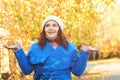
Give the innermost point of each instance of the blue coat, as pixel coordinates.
(52, 64)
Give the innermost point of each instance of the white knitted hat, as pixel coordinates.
(54, 18)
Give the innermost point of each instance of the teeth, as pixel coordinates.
(51, 32)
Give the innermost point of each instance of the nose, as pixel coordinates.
(51, 27)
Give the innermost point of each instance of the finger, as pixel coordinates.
(10, 47)
(5, 46)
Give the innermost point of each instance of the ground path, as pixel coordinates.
(108, 69)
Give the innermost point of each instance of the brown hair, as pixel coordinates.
(61, 39)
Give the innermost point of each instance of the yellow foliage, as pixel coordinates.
(94, 23)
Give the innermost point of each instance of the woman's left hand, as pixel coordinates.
(90, 49)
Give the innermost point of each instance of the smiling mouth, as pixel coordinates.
(51, 32)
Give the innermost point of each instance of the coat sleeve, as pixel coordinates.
(79, 62)
(24, 62)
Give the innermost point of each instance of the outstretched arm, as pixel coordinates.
(22, 59)
(80, 62)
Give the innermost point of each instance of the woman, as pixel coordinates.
(53, 57)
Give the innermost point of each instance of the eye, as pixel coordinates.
(54, 25)
(47, 25)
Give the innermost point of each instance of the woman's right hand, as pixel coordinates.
(12, 47)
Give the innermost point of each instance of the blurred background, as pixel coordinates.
(87, 22)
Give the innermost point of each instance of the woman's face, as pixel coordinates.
(51, 30)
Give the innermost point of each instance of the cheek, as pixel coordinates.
(46, 29)
(57, 29)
